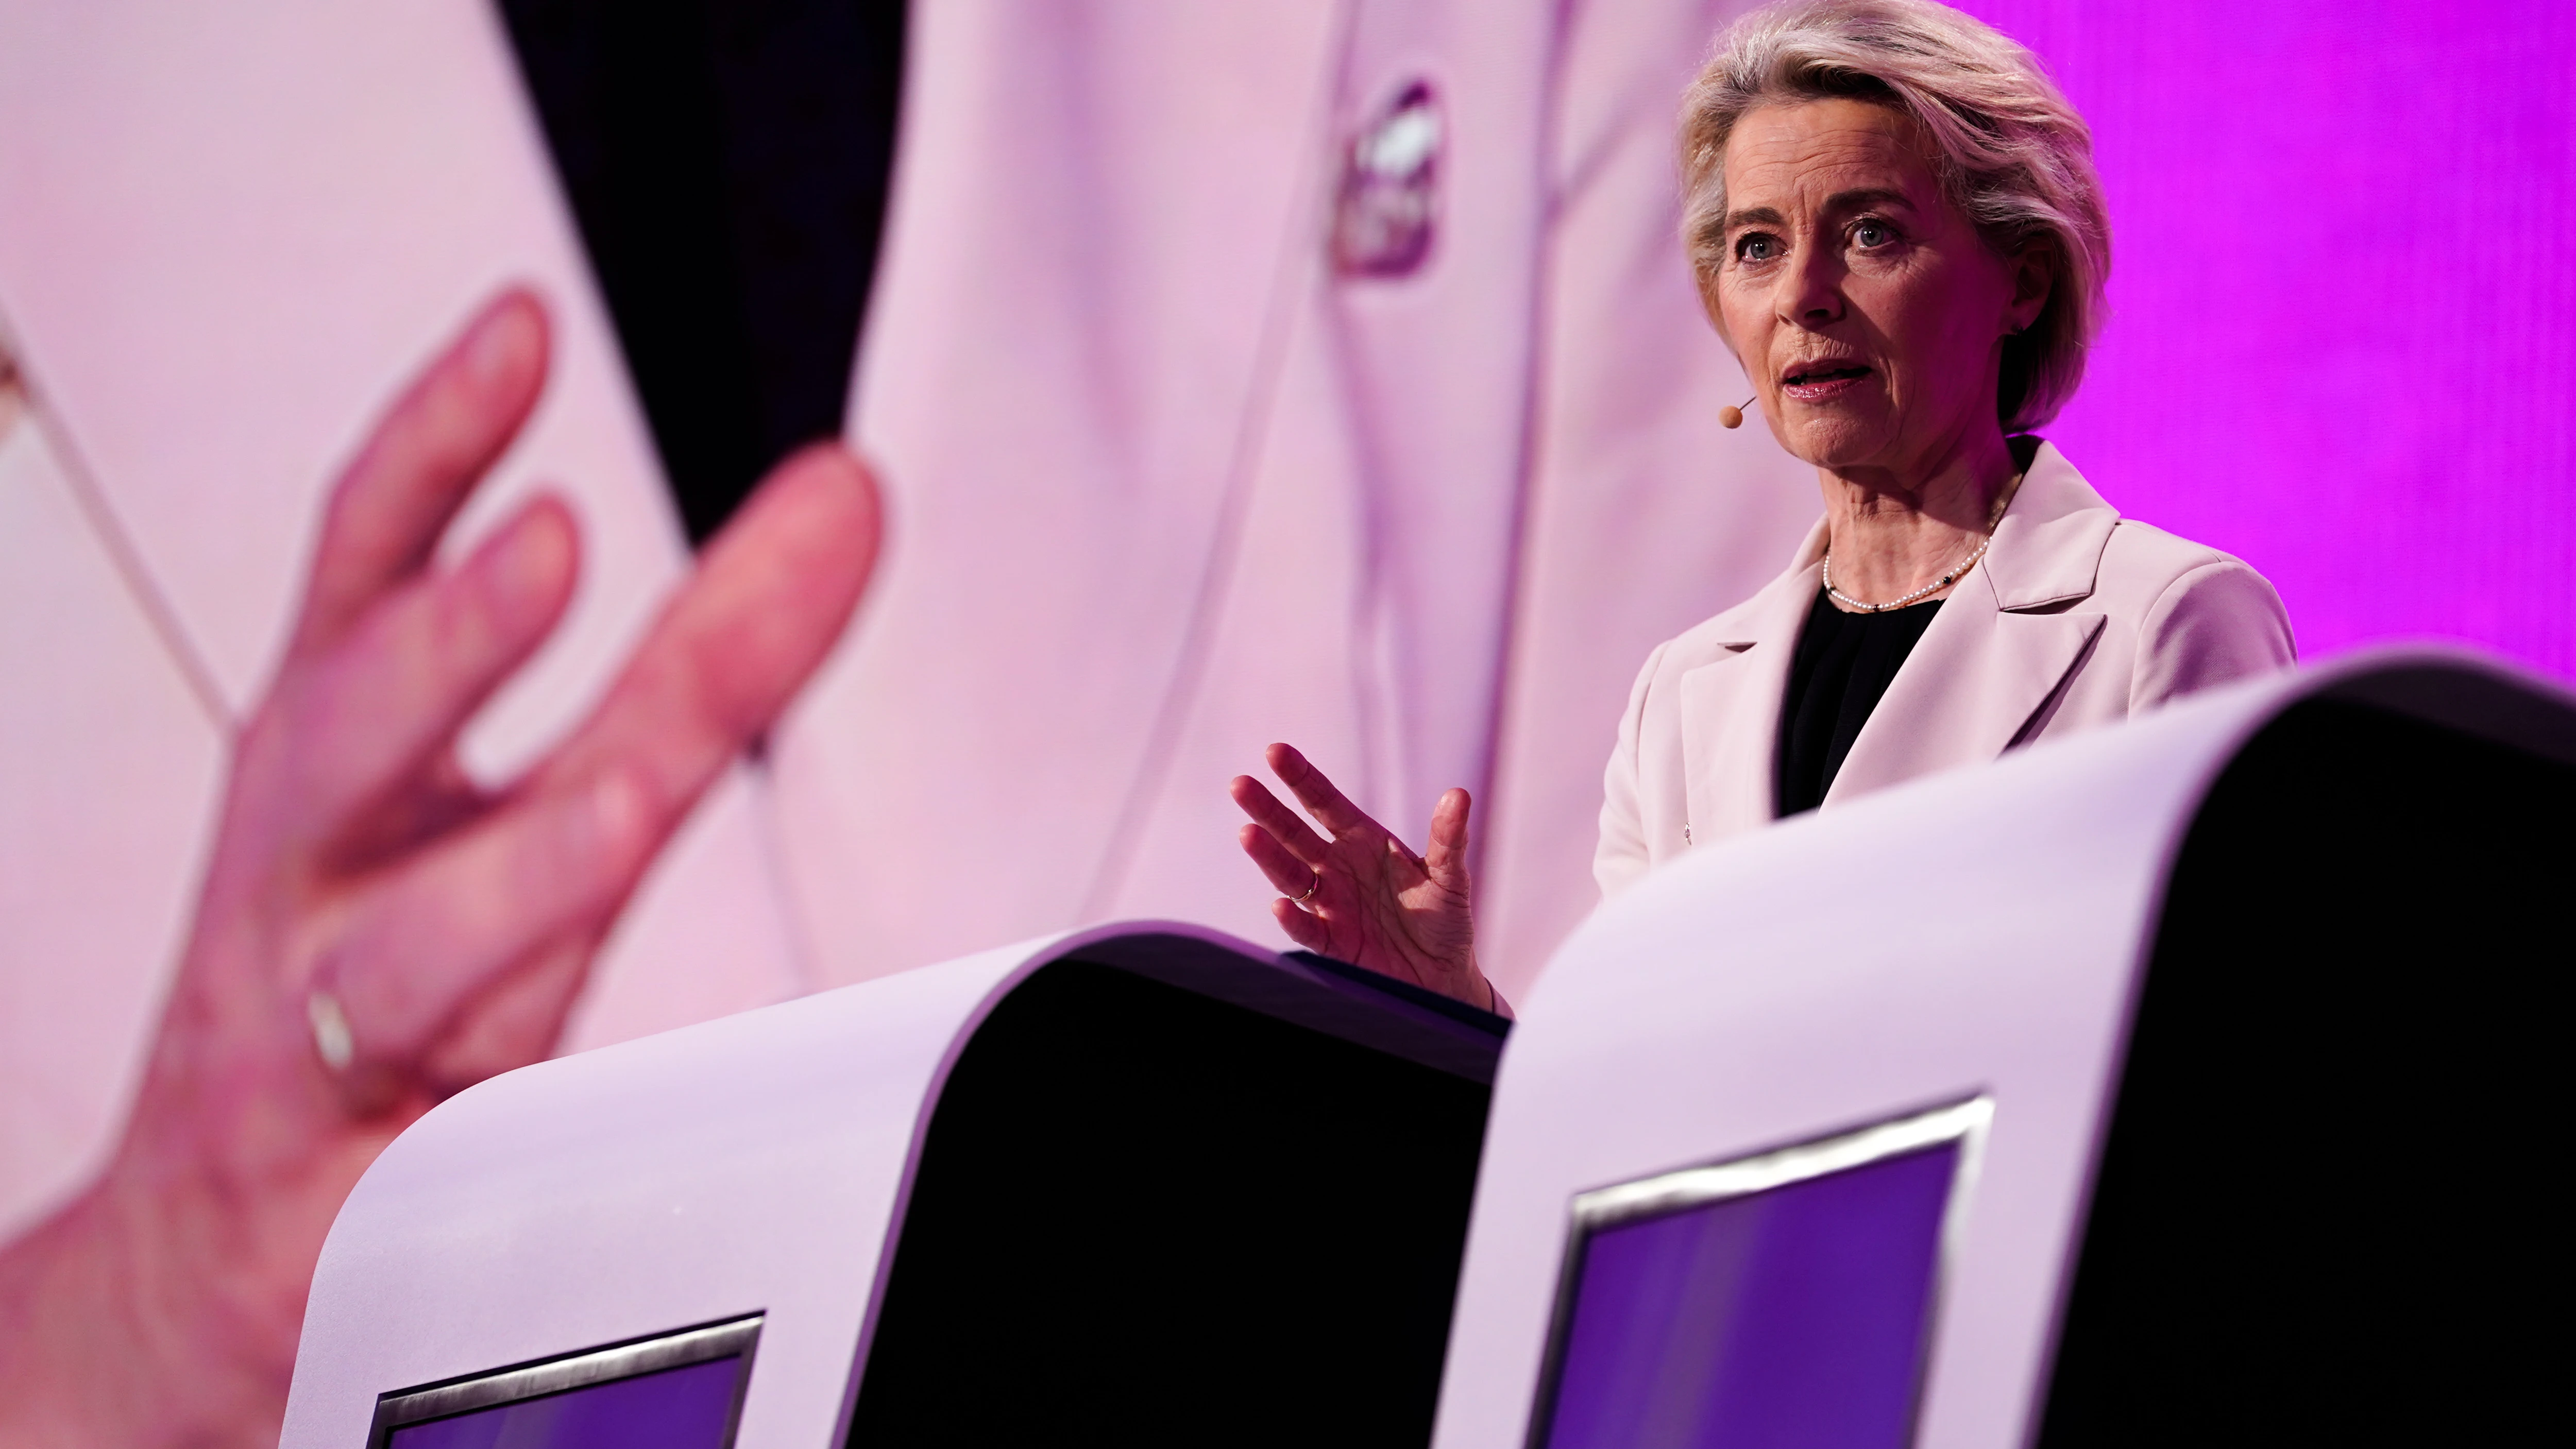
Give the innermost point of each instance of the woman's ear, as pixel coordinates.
(2034, 278)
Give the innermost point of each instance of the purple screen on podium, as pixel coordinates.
(677, 1408)
(1790, 1318)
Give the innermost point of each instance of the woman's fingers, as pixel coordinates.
(1328, 805)
(383, 521)
(768, 600)
(1308, 931)
(1364, 896)
(1287, 874)
(1281, 824)
(440, 929)
(394, 692)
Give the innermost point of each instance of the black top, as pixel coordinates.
(727, 161)
(1843, 664)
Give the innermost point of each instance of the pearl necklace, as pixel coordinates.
(1860, 606)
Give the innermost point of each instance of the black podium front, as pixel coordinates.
(1146, 1215)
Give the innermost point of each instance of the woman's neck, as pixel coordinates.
(1892, 531)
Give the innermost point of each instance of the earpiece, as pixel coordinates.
(1733, 417)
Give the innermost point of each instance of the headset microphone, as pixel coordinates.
(1733, 417)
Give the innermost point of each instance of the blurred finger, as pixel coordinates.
(513, 1019)
(1328, 805)
(394, 693)
(385, 515)
(422, 942)
(1287, 874)
(766, 604)
(1284, 826)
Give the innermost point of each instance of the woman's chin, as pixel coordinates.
(1832, 439)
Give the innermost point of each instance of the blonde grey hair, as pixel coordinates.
(2010, 152)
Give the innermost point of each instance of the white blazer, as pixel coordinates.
(2075, 617)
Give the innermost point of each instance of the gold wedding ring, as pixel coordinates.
(1311, 887)
(332, 1040)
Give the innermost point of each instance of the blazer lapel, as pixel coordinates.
(1730, 707)
(2002, 647)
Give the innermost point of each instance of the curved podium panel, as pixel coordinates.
(2189, 1082)
(1143, 1184)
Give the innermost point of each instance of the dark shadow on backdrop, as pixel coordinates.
(727, 162)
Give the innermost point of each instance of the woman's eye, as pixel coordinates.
(1756, 248)
(1872, 234)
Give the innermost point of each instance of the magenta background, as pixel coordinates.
(2343, 295)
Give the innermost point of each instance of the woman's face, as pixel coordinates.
(1864, 306)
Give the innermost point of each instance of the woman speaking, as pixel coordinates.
(1896, 228)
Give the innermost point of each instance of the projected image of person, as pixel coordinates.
(1896, 227)
(376, 931)
(1078, 400)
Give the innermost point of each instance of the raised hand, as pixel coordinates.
(375, 930)
(1363, 896)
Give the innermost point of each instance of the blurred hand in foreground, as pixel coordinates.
(375, 931)
(1363, 896)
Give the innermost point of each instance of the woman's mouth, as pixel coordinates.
(1823, 381)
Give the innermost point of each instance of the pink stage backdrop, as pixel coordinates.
(2343, 342)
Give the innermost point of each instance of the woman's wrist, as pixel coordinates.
(74, 1368)
(108, 1336)
(164, 1304)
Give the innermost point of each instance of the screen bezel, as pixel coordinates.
(725, 1338)
(1961, 1123)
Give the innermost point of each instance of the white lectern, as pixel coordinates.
(2190, 1082)
(1134, 1184)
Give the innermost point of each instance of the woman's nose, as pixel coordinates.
(1811, 294)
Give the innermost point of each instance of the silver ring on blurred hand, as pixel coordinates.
(332, 1040)
(1311, 887)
